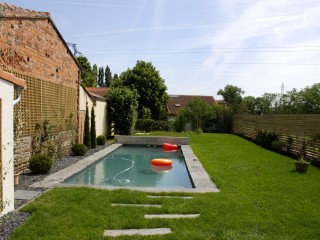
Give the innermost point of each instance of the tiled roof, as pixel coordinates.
(98, 91)
(221, 102)
(7, 10)
(178, 102)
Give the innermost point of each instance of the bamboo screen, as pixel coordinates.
(44, 100)
(296, 126)
(1, 187)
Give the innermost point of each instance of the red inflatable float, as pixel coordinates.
(161, 162)
(169, 146)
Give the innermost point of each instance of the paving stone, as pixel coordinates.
(130, 232)
(25, 195)
(135, 205)
(171, 215)
(182, 197)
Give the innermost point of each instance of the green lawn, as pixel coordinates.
(261, 198)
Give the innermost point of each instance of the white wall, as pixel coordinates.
(101, 117)
(6, 94)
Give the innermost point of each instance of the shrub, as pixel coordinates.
(265, 138)
(149, 125)
(101, 140)
(40, 164)
(87, 135)
(277, 145)
(79, 149)
(93, 129)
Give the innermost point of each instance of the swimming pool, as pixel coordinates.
(130, 166)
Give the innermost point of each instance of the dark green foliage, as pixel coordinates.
(93, 129)
(222, 121)
(148, 125)
(40, 164)
(180, 122)
(101, 140)
(303, 150)
(289, 144)
(277, 145)
(232, 96)
(122, 107)
(88, 74)
(87, 135)
(79, 149)
(101, 77)
(146, 80)
(265, 138)
(107, 77)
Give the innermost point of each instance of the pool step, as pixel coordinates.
(135, 205)
(130, 232)
(171, 215)
(181, 197)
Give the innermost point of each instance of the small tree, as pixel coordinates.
(93, 129)
(86, 136)
(122, 106)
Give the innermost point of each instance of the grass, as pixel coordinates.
(261, 198)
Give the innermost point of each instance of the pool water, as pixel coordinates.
(131, 166)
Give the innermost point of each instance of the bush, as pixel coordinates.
(101, 140)
(79, 149)
(148, 125)
(40, 164)
(277, 145)
(265, 138)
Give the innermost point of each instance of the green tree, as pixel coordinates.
(101, 77)
(95, 74)
(248, 105)
(107, 77)
(93, 129)
(267, 104)
(232, 96)
(222, 120)
(198, 111)
(88, 77)
(87, 136)
(311, 99)
(122, 107)
(115, 76)
(146, 79)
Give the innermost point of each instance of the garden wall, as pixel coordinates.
(300, 127)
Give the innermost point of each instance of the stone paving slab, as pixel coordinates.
(135, 205)
(130, 232)
(25, 195)
(181, 197)
(171, 215)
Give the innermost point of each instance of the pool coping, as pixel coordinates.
(200, 178)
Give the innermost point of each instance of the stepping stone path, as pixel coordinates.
(25, 195)
(171, 215)
(130, 232)
(148, 231)
(135, 205)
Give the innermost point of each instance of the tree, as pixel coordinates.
(95, 74)
(146, 79)
(311, 99)
(87, 136)
(101, 77)
(107, 77)
(248, 105)
(198, 111)
(122, 107)
(115, 76)
(88, 77)
(222, 120)
(232, 96)
(267, 103)
(93, 129)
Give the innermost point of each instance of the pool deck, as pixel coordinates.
(201, 180)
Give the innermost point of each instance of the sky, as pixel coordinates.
(198, 46)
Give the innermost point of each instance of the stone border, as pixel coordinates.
(150, 140)
(200, 178)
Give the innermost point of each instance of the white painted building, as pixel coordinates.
(8, 83)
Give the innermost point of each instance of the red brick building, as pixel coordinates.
(31, 47)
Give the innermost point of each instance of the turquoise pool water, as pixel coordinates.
(130, 166)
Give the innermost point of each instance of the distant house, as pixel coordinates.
(178, 102)
(94, 97)
(32, 48)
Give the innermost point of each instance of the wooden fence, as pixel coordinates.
(298, 127)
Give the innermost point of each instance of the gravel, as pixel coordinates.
(12, 220)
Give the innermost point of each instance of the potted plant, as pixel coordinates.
(301, 165)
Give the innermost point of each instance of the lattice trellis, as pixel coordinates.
(1, 187)
(46, 100)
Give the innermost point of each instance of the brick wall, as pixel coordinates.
(34, 47)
